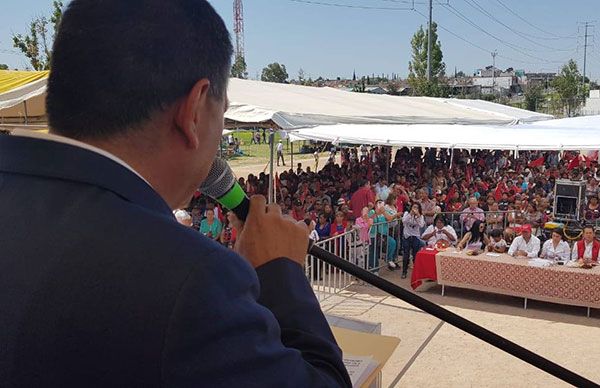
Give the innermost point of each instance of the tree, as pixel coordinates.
(393, 89)
(301, 78)
(36, 45)
(3, 66)
(274, 72)
(534, 96)
(568, 88)
(239, 69)
(417, 67)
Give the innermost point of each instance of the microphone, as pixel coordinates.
(222, 186)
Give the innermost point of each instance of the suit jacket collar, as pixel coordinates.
(50, 159)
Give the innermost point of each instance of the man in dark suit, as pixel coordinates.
(99, 284)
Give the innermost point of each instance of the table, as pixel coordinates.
(507, 275)
(380, 347)
(424, 268)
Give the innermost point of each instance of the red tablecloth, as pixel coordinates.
(424, 268)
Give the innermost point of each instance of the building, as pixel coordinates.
(375, 90)
(492, 80)
(592, 104)
(539, 79)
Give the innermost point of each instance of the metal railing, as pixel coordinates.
(325, 279)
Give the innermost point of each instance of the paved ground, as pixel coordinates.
(435, 354)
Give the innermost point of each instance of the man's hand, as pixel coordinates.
(521, 253)
(268, 235)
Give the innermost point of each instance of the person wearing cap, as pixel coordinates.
(588, 247)
(298, 212)
(525, 245)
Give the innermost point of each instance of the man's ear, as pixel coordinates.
(190, 112)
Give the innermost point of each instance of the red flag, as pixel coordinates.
(538, 162)
(469, 174)
(500, 189)
(574, 163)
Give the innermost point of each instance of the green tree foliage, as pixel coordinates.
(568, 87)
(37, 44)
(417, 67)
(3, 66)
(239, 68)
(274, 72)
(534, 97)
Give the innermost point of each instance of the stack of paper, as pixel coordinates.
(540, 263)
(359, 368)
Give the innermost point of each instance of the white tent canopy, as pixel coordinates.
(293, 106)
(582, 133)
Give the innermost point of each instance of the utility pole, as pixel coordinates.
(494, 53)
(429, 41)
(585, 46)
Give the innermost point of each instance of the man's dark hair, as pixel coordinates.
(496, 233)
(116, 62)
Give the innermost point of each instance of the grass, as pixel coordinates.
(259, 153)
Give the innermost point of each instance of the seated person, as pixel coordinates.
(475, 240)
(497, 243)
(440, 230)
(556, 248)
(525, 245)
(509, 235)
(586, 249)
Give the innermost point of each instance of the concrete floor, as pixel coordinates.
(435, 354)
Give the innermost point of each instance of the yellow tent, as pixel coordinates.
(23, 96)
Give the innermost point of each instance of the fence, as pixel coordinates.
(326, 279)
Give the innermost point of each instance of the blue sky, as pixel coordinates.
(332, 41)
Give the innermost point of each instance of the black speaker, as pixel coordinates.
(569, 198)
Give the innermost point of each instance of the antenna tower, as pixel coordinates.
(238, 28)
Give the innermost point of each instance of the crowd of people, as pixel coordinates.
(479, 200)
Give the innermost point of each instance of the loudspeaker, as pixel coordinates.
(569, 198)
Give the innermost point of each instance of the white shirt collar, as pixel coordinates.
(74, 143)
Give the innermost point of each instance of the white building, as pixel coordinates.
(592, 104)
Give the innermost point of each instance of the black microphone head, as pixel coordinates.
(219, 181)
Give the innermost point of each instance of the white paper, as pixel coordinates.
(359, 368)
(493, 254)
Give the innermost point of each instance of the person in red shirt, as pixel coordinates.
(402, 197)
(340, 224)
(362, 197)
(298, 212)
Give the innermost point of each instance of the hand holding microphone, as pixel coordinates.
(265, 234)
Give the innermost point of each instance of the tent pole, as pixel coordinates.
(451, 156)
(271, 177)
(292, 152)
(26, 115)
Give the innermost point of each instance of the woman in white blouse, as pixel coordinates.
(556, 249)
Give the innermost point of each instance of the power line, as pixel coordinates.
(476, 45)
(555, 37)
(339, 5)
(514, 47)
(485, 12)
